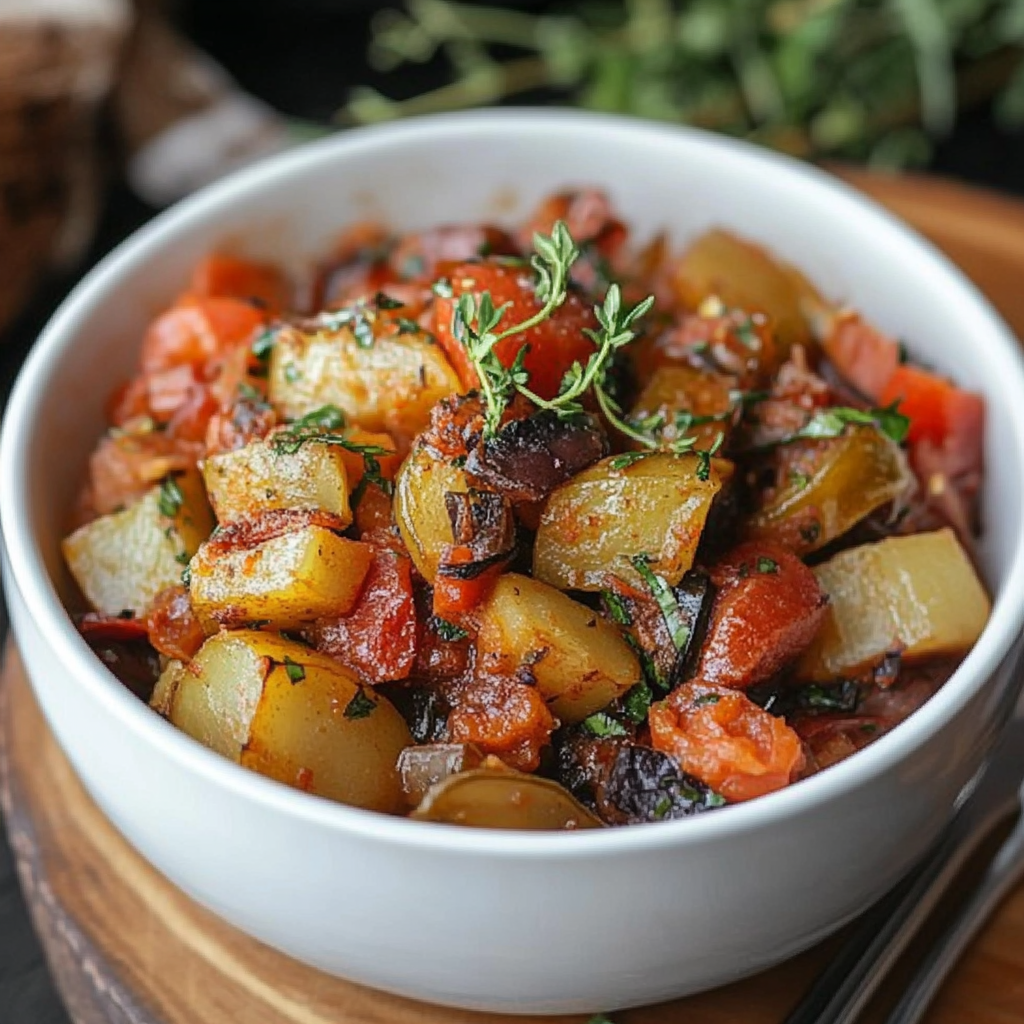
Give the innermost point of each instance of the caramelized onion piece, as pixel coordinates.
(426, 766)
(485, 798)
(529, 458)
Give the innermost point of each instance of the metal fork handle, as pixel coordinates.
(843, 989)
(1002, 876)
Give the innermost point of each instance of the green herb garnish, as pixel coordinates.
(360, 706)
(767, 565)
(296, 672)
(616, 608)
(666, 601)
(448, 630)
(832, 422)
(263, 345)
(171, 499)
(601, 724)
(384, 301)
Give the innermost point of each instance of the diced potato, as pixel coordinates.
(745, 276)
(420, 510)
(918, 595)
(485, 798)
(390, 384)
(256, 478)
(861, 471)
(285, 582)
(673, 389)
(121, 561)
(593, 525)
(580, 662)
(292, 714)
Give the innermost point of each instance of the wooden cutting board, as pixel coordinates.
(126, 947)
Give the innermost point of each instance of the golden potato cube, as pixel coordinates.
(918, 595)
(580, 661)
(287, 712)
(390, 384)
(257, 478)
(284, 582)
(121, 561)
(592, 526)
(420, 510)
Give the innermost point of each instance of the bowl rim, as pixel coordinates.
(27, 574)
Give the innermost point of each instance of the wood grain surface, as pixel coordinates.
(127, 948)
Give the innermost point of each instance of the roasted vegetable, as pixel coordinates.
(768, 608)
(579, 661)
(258, 477)
(744, 276)
(485, 798)
(285, 711)
(916, 596)
(286, 582)
(382, 381)
(626, 783)
(123, 560)
(420, 509)
(726, 741)
(425, 766)
(529, 458)
(655, 505)
(846, 479)
(675, 390)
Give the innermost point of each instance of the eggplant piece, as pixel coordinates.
(424, 708)
(502, 798)
(786, 700)
(481, 522)
(426, 766)
(626, 783)
(529, 458)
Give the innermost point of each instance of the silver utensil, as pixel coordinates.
(843, 989)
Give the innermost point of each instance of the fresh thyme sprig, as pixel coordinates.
(476, 320)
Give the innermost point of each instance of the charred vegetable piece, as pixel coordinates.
(425, 766)
(744, 276)
(484, 798)
(133, 662)
(258, 477)
(383, 381)
(579, 660)
(627, 783)
(529, 458)
(724, 739)
(287, 582)
(290, 713)
(768, 609)
(420, 507)
(123, 560)
(655, 505)
(849, 478)
(917, 596)
(378, 638)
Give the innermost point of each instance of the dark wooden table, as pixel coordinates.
(304, 64)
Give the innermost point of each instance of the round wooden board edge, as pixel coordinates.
(86, 979)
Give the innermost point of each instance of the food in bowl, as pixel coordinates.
(531, 529)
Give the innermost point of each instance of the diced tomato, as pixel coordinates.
(724, 739)
(198, 331)
(767, 610)
(865, 356)
(378, 637)
(939, 412)
(229, 277)
(173, 628)
(123, 468)
(555, 344)
(588, 215)
(191, 420)
(454, 596)
(504, 718)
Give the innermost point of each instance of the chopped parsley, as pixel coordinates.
(637, 702)
(171, 499)
(666, 601)
(448, 630)
(296, 672)
(292, 373)
(360, 706)
(601, 724)
(384, 301)
(833, 421)
(616, 608)
(707, 698)
(264, 344)
(627, 459)
(767, 565)
(327, 417)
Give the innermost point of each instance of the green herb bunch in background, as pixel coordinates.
(873, 80)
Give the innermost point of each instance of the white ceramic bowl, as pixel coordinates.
(494, 920)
